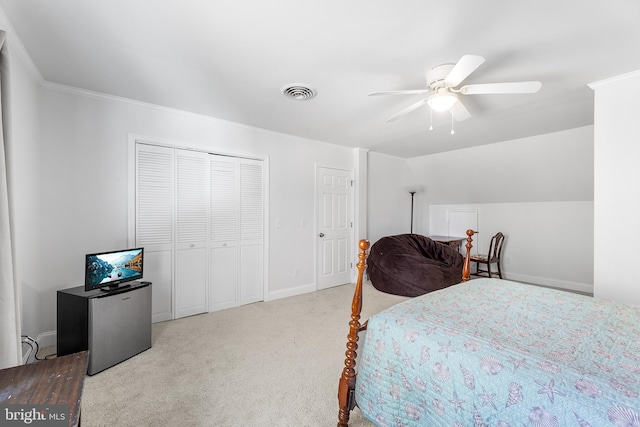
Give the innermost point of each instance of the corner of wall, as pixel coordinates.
(17, 45)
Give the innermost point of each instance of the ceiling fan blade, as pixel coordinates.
(465, 66)
(490, 88)
(460, 112)
(400, 92)
(407, 110)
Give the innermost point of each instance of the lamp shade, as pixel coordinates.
(442, 100)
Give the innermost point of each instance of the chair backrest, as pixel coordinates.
(495, 248)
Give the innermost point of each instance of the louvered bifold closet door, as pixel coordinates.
(251, 231)
(192, 226)
(154, 227)
(223, 266)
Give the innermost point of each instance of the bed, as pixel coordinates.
(491, 352)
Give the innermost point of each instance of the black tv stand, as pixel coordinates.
(112, 288)
(113, 325)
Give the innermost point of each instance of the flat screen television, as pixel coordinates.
(107, 270)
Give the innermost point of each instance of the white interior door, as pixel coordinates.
(251, 278)
(192, 212)
(223, 266)
(154, 189)
(200, 218)
(237, 232)
(334, 227)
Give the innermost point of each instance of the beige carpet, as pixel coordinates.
(264, 364)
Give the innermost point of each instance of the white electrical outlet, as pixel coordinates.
(296, 272)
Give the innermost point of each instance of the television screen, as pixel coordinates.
(110, 269)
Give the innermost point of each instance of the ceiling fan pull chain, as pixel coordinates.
(452, 131)
(430, 118)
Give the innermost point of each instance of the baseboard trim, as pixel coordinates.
(291, 292)
(45, 339)
(160, 317)
(550, 283)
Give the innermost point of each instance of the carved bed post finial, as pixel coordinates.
(348, 378)
(466, 269)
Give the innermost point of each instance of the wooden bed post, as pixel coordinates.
(466, 268)
(347, 383)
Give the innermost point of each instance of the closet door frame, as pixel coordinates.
(206, 148)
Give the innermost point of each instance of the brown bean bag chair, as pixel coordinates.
(412, 265)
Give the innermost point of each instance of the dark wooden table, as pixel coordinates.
(454, 242)
(57, 381)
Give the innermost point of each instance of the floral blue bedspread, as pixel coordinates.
(492, 352)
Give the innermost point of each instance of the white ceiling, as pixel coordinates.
(229, 59)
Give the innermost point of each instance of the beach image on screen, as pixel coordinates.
(112, 267)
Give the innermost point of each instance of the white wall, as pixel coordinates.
(537, 190)
(389, 203)
(551, 167)
(617, 197)
(81, 188)
(548, 243)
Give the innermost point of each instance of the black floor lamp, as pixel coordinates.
(413, 193)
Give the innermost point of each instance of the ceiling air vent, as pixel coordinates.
(298, 91)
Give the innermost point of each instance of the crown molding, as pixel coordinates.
(615, 80)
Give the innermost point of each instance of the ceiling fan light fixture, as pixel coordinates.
(442, 100)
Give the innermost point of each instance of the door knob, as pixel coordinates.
(321, 234)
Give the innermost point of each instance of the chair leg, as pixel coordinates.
(499, 270)
(489, 269)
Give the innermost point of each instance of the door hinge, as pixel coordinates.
(352, 183)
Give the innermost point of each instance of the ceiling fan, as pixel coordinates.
(442, 82)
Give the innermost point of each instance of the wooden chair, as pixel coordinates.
(493, 257)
